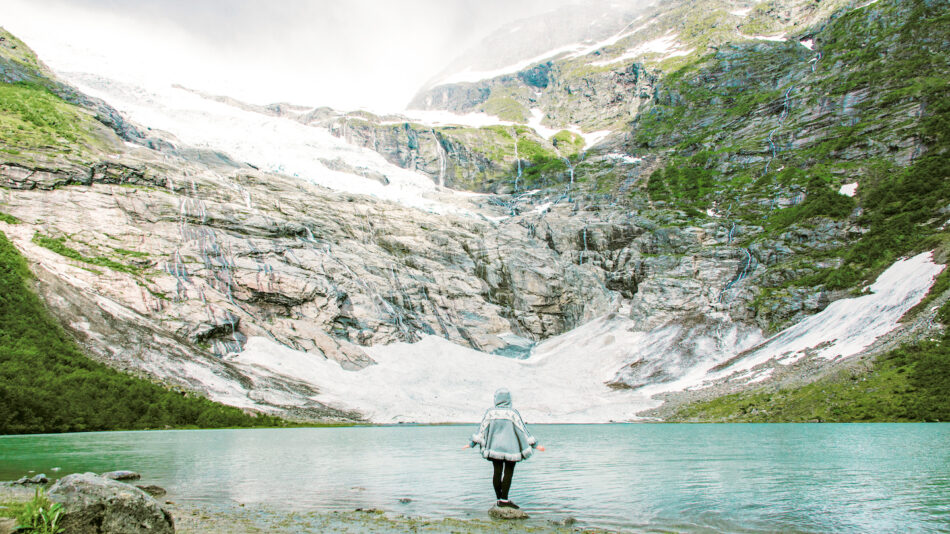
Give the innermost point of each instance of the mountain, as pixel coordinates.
(714, 202)
(525, 42)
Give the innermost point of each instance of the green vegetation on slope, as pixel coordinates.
(48, 385)
(32, 118)
(58, 245)
(875, 60)
(907, 384)
(506, 109)
(9, 219)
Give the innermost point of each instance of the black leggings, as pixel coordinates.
(502, 479)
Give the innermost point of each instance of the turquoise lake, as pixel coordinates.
(691, 478)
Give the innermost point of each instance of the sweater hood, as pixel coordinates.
(503, 398)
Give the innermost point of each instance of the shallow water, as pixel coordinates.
(730, 478)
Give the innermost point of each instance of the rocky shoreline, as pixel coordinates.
(238, 518)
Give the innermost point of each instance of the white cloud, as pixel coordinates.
(359, 53)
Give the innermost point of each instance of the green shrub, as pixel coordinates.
(40, 516)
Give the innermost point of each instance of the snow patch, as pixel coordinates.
(543, 208)
(849, 190)
(661, 45)
(808, 43)
(479, 120)
(592, 138)
(773, 38)
(623, 158)
(679, 53)
(848, 326)
(622, 34)
(741, 12)
(471, 76)
(535, 122)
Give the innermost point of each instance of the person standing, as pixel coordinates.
(504, 439)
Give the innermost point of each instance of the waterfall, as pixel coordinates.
(442, 157)
(786, 105)
(514, 132)
(570, 167)
(584, 253)
(781, 121)
(748, 265)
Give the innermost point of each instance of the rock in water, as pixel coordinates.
(97, 505)
(153, 490)
(122, 475)
(497, 512)
(38, 479)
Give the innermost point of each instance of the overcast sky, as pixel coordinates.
(341, 53)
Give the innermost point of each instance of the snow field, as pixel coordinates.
(564, 379)
(272, 144)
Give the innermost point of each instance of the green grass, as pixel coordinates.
(12, 509)
(9, 219)
(32, 118)
(48, 385)
(568, 143)
(506, 108)
(58, 245)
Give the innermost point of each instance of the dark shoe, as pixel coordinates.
(509, 504)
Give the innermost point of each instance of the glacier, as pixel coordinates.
(565, 379)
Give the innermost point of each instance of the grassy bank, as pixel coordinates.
(48, 385)
(907, 384)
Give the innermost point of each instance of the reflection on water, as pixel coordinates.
(813, 478)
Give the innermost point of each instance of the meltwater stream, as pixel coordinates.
(636, 477)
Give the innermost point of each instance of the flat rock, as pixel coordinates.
(96, 505)
(497, 512)
(7, 525)
(122, 475)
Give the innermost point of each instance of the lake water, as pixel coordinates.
(729, 478)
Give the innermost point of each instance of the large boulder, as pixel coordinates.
(97, 505)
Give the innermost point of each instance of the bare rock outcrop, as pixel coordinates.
(96, 505)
